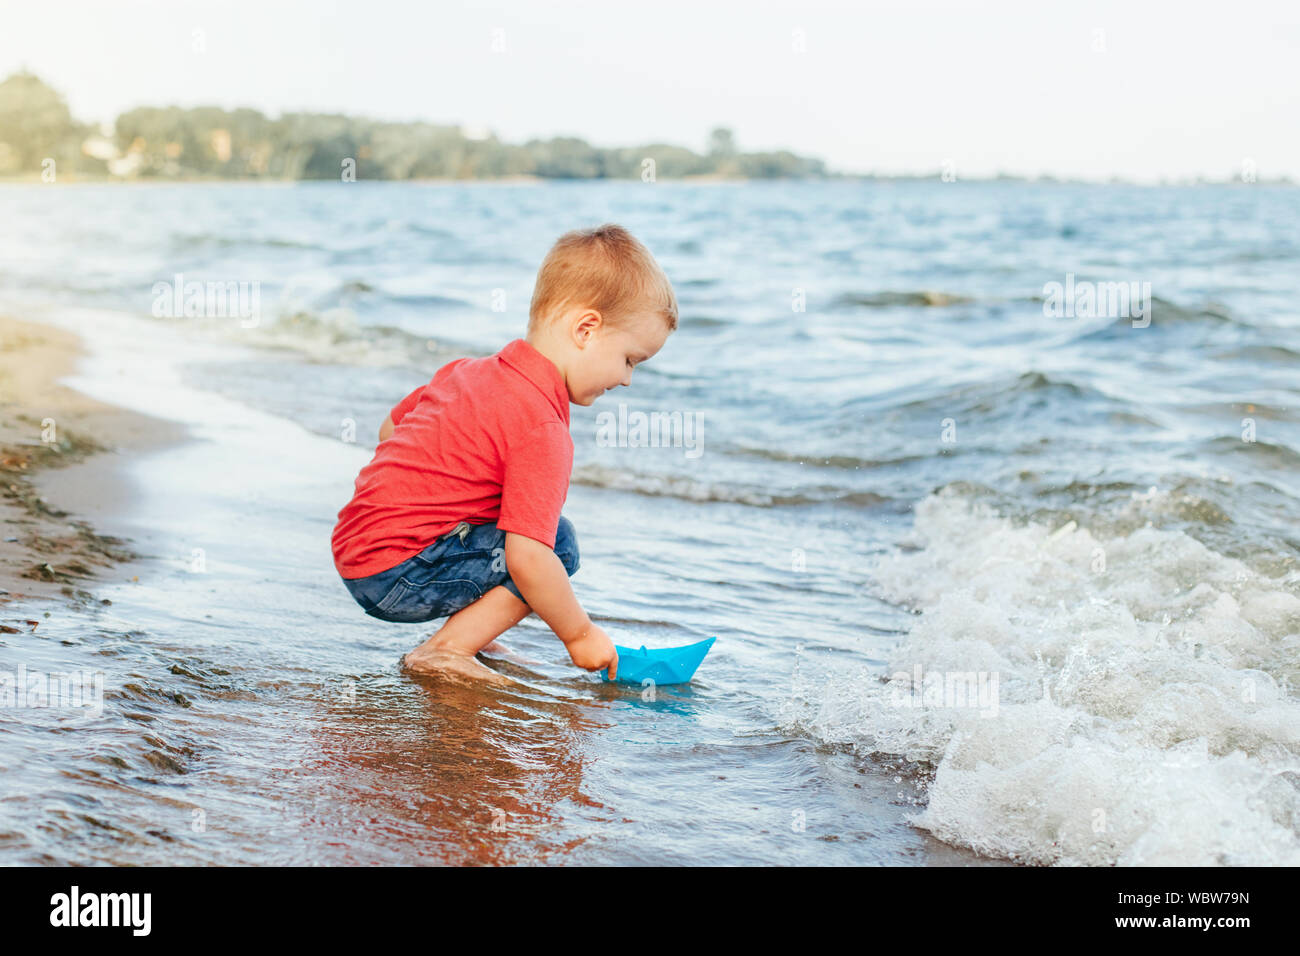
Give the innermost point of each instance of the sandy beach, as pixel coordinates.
(48, 551)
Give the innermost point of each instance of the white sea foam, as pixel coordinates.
(1146, 711)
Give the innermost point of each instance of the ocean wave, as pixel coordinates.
(1261, 353)
(693, 489)
(374, 297)
(926, 298)
(1141, 713)
(1002, 394)
(1166, 312)
(333, 336)
(1282, 253)
(185, 242)
(996, 393)
(1259, 452)
(422, 229)
(1161, 313)
(1133, 507)
(812, 460)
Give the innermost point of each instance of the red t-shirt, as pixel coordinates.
(487, 439)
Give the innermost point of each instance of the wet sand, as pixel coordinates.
(48, 552)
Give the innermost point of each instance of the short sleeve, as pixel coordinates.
(405, 405)
(537, 470)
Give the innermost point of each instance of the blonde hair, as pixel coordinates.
(604, 268)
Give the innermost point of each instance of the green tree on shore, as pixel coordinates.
(36, 125)
(171, 142)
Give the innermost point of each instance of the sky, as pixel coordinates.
(1144, 90)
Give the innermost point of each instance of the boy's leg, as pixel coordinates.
(467, 632)
(475, 626)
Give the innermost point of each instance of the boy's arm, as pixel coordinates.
(541, 578)
(386, 428)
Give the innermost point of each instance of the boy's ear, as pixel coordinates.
(587, 325)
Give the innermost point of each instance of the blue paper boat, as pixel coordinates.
(666, 665)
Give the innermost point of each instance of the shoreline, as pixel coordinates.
(48, 552)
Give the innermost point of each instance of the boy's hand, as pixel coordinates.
(594, 651)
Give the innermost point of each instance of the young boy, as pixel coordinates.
(458, 513)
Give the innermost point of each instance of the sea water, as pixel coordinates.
(992, 580)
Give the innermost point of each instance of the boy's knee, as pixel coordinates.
(566, 545)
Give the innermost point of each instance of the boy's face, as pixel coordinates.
(608, 355)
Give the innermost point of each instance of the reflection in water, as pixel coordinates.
(474, 772)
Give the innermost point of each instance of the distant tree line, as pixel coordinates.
(36, 128)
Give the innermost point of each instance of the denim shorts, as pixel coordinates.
(450, 574)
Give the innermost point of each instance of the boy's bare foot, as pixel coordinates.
(499, 651)
(470, 630)
(425, 660)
